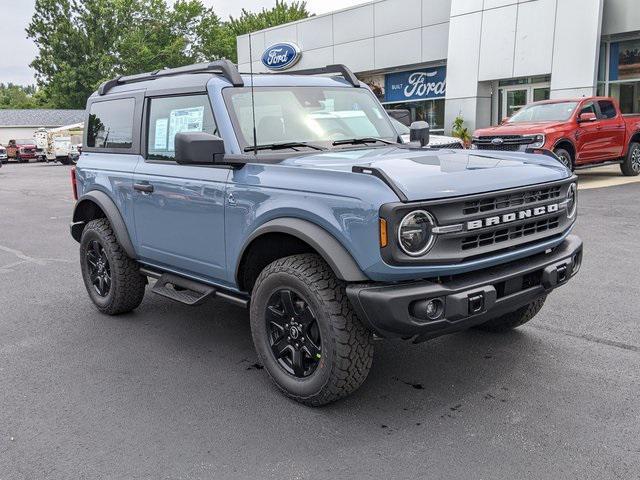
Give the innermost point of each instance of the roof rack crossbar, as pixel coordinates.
(224, 67)
(343, 70)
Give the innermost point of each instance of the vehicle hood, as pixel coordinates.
(517, 128)
(423, 174)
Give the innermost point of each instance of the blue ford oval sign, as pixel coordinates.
(281, 56)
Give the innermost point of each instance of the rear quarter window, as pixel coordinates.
(110, 124)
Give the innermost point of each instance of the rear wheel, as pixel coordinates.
(514, 319)
(111, 278)
(306, 333)
(631, 164)
(565, 157)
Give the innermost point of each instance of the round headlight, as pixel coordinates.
(415, 233)
(572, 201)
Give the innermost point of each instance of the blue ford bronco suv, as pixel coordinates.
(290, 195)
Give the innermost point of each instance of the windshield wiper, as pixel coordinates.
(283, 146)
(362, 141)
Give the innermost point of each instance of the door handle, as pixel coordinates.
(143, 187)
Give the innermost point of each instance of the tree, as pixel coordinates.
(85, 42)
(248, 22)
(17, 96)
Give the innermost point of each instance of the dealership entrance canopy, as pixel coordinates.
(482, 59)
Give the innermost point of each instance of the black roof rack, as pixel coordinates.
(343, 70)
(224, 67)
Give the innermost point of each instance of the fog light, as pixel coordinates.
(431, 309)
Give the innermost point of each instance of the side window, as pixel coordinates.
(171, 115)
(607, 109)
(588, 108)
(111, 124)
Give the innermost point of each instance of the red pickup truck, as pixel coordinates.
(21, 150)
(581, 132)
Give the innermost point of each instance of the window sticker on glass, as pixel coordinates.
(185, 120)
(160, 142)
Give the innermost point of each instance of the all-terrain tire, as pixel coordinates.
(127, 284)
(565, 157)
(347, 346)
(631, 165)
(514, 319)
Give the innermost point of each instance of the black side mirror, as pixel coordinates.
(403, 116)
(198, 148)
(420, 132)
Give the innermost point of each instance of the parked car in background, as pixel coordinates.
(436, 141)
(581, 132)
(3, 154)
(21, 150)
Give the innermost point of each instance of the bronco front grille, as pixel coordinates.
(510, 233)
(512, 200)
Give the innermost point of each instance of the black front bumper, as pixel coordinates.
(397, 310)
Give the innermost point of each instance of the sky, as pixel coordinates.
(17, 51)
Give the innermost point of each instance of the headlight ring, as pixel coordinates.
(415, 233)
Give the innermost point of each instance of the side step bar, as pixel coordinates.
(187, 291)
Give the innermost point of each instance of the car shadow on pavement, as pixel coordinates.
(437, 377)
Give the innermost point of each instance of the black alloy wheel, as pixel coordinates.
(99, 268)
(293, 333)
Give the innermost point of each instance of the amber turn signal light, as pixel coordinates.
(383, 233)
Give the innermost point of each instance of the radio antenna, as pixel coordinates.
(253, 102)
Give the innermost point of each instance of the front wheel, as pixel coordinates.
(306, 333)
(565, 157)
(631, 164)
(514, 319)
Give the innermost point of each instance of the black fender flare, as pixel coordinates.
(329, 248)
(104, 202)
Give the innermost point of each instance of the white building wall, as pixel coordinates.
(15, 133)
(368, 37)
(490, 40)
(482, 41)
(620, 16)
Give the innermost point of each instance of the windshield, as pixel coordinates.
(400, 127)
(315, 115)
(545, 112)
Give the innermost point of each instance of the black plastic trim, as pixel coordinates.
(224, 67)
(385, 308)
(338, 258)
(112, 213)
(343, 70)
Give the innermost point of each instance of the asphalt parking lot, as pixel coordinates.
(175, 392)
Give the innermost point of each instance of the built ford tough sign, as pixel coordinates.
(291, 196)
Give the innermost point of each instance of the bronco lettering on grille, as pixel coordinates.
(513, 216)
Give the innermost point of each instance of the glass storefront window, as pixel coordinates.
(624, 63)
(627, 94)
(622, 78)
(431, 111)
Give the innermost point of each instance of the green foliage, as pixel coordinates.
(458, 130)
(84, 42)
(17, 96)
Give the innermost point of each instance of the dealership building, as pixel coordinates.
(481, 59)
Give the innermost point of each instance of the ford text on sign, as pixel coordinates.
(416, 85)
(281, 56)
